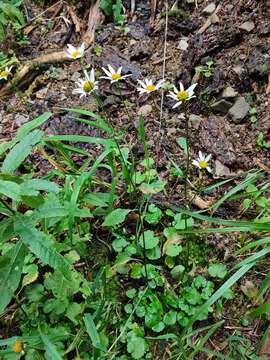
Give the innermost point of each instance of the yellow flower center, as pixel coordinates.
(4, 74)
(76, 54)
(182, 95)
(116, 76)
(18, 346)
(88, 86)
(150, 87)
(203, 164)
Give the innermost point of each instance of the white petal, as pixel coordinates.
(119, 70)
(209, 169)
(82, 47)
(201, 156)
(160, 83)
(142, 83)
(208, 157)
(107, 72)
(71, 48)
(177, 104)
(125, 76)
(192, 87)
(111, 69)
(175, 89)
(86, 75)
(181, 86)
(92, 75)
(196, 163)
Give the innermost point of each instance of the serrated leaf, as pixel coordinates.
(31, 276)
(10, 273)
(37, 243)
(116, 217)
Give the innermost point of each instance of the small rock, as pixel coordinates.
(221, 170)
(145, 110)
(21, 119)
(238, 69)
(111, 100)
(239, 110)
(195, 120)
(132, 42)
(75, 76)
(214, 19)
(229, 93)
(209, 9)
(183, 44)
(41, 94)
(247, 26)
(222, 106)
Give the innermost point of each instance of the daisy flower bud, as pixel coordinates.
(148, 87)
(202, 162)
(181, 95)
(113, 75)
(86, 86)
(4, 74)
(75, 53)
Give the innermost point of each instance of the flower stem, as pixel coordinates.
(186, 198)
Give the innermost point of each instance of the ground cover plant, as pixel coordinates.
(105, 254)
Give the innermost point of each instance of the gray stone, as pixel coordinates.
(146, 110)
(229, 93)
(238, 69)
(221, 170)
(222, 106)
(75, 76)
(21, 119)
(195, 120)
(214, 19)
(247, 26)
(183, 43)
(239, 110)
(209, 9)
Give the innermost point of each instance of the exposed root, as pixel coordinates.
(23, 75)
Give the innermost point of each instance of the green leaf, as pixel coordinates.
(136, 347)
(170, 318)
(177, 271)
(116, 217)
(72, 311)
(10, 273)
(31, 125)
(50, 348)
(173, 250)
(38, 244)
(182, 142)
(217, 270)
(148, 240)
(92, 332)
(20, 151)
(10, 189)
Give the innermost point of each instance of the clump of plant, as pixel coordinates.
(11, 13)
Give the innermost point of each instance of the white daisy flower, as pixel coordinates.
(4, 74)
(148, 87)
(87, 85)
(182, 95)
(202, 162)
(113, 75)
(75, 53)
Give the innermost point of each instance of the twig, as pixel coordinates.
(164, 61)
